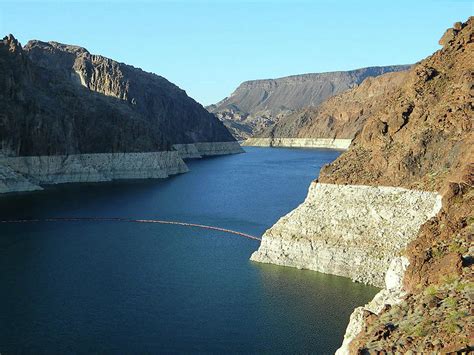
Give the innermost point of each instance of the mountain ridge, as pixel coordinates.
(257, 104)
(69, 116)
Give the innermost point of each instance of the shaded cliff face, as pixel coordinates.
(43, 114)
(257, 104)
(341, 116)
(422, 138)
(59, 99)
(178, 117)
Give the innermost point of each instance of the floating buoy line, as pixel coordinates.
(128, 220)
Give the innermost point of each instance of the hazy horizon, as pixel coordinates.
(208, 48)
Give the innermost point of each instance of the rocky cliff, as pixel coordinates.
(418, 145)
(348, 230)
(58, 102)
(338, 118)
(258, 104)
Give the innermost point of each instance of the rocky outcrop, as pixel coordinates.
(328, 143)
(258, 104)
(69, 116)
(11, 181)
(204, 149)
(348, 230)
(420, 140)
(57, 169)
(392, 294)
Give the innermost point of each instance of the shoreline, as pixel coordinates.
(328, 143)
(30, 173)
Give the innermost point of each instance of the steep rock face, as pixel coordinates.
(423, 132)
(43, 114)
(339, 117)
(348, 230)
(421, 139)
(424, 139)
(11, 181)
(69, 116)
(57, 169)
(178, 117)
(257, 104)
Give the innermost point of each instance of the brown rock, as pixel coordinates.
(422, 138)
(341, 116)
(447, 37)
(257, 106)
(457, 26)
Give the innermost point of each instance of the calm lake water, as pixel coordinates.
(112, 287)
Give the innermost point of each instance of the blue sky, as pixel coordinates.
(209, 47)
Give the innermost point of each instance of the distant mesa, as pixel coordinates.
(258, 104)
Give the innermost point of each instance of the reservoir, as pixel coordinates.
(116, 287)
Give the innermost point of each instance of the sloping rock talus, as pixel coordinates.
(258, 104)
(422, 142)
(69, 116)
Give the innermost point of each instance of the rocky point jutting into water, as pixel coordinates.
(258, 104)
(70, 116)
(395, 210)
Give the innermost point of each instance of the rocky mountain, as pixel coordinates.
(338, 118)
(59, 102)
(396, 211)
(257, 104)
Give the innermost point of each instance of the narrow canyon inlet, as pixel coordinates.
(109, 286)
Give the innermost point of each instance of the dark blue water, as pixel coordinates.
(109, 287)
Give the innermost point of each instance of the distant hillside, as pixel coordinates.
(257, 104)
(339, 117)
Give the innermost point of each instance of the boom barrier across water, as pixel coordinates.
(128, 220)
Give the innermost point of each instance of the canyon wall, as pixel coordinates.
(154, 99)
(348, 230)
(339, 118)
(69, 116)
(258, 104)
(57, 169)
(399, 201)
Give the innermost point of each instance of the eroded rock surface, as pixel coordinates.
(70, 116)
(329, 143)
(258, 104)
(420, 139)
(339, 117)
(348, 230)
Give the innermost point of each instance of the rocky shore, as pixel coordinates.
(59, 169)
(29, 173)
(348, 230)
(328, 143)
(199, 150)
(71, 116)
(395, 210)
